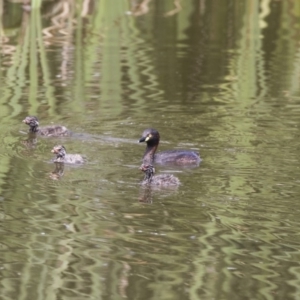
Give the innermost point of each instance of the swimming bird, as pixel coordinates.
(178, 157)
(157, 180)
(63, 157)
(51, 130)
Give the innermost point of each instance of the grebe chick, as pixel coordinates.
(177, 157)
(52, 130)
(158, 180)
(63, 157)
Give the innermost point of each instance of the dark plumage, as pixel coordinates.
(178, 157)
(158, 180)
(52, 130)
(63, 157)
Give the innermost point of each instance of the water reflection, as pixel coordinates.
(222, 78)
(58, 172)
(31, 142)
(148, 192)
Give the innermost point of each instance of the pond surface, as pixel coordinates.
(219, 78)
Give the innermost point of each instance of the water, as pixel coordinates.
(218, 78)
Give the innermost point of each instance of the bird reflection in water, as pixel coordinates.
(30, 142)
(58, 171)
